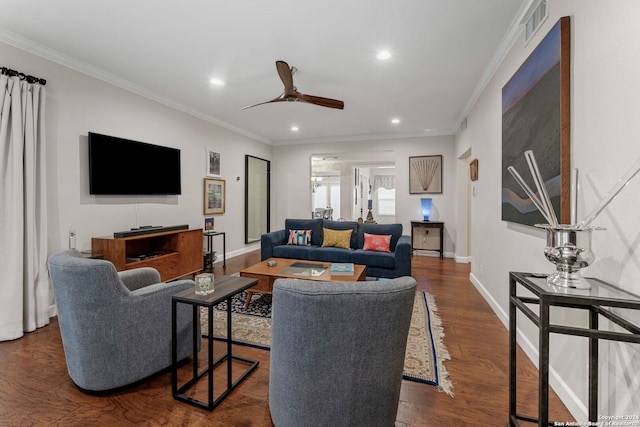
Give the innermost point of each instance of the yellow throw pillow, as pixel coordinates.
(336, 238)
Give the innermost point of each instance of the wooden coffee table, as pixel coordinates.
(267, 275)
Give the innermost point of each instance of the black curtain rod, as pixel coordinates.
(22, 76)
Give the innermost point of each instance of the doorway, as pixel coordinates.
(343, 184)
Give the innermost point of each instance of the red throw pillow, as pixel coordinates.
(377, 242)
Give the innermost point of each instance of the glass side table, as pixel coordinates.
(602, 301)
(225, 288)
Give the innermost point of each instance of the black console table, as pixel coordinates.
(225, 288)
(601, 301)
(423, 237)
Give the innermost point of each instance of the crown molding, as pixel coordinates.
(37, 49)
(510, 38)
(365, 137)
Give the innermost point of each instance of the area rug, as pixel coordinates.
(425, 355)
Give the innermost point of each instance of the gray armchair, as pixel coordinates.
(116, 327)
(337, 351)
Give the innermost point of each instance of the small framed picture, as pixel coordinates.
(214, 196)
(209, 224)
(214, 163)
(425, 174)
(473, 170)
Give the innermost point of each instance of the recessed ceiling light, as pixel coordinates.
(395, 121)
(384, 54)
(294, 128)
(216, 81)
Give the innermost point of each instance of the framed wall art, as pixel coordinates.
(214, 163)
(425, 174)
(214, 196)
(473, 170)
(535, 116)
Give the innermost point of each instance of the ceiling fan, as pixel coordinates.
(291, 93)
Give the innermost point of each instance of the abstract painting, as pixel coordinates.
(535, 116)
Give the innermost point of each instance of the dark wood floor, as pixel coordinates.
(35, 389)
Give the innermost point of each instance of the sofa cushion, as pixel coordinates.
(374, 259)
(292, 251)
(377, 242)
(299, 237)
(315, 225)
(330, 254)
(344, 225)
(336, 238)
(395, 230)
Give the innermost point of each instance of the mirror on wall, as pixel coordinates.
(257, 212)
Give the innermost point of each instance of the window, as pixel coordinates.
(386, 201)
(327, 193)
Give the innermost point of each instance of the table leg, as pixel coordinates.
(174, 350)
(543, 365)
(513, 348)
(248, 300)
(229, 347)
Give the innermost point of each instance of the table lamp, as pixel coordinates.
(426, 208)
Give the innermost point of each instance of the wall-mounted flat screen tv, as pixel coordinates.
(119, 166)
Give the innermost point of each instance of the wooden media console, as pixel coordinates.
(174, 254)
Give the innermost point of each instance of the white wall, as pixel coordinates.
(77, 104)
(292, 173)
(605, 102)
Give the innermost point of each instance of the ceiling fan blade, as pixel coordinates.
(284, 71)
(323, 102)
(278, 99)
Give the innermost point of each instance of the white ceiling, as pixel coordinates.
(441, 52)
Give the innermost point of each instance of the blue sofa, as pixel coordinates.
(390, 265)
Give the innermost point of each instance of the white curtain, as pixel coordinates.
(24, 284)
(384, 181)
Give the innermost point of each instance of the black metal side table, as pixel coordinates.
(601, 301)
(225, 288)
(210, 235)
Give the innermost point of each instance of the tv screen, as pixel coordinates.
(119, 166)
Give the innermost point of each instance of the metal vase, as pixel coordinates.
(569, 248)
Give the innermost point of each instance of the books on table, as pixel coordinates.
(342, 269)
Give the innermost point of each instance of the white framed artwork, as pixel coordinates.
(214, 163)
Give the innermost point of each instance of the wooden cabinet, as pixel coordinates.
(173, 253)
(427, 236)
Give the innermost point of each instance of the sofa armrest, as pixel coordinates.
(139, 277)
(403, 256)
(269, 240)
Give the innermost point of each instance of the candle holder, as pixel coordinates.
(204, 283)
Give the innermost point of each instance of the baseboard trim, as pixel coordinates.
(462, 259)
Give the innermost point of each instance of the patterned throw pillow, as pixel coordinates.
(336, 238)
(377, 242)
(299, 237)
